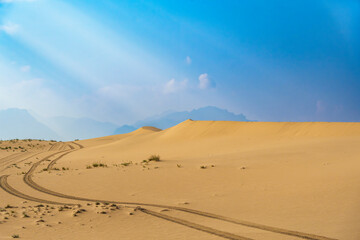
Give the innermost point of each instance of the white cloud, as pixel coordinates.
(26, 68)
(170, 86)
(27, 91)
(204, 81)
(188, 60)
(173, 86)
(10, 28)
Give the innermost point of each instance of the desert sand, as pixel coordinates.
(214, 180)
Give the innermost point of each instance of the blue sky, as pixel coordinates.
(121, 61)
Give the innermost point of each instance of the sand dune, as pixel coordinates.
(215, 180)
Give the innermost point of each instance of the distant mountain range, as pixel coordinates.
(169, 119)
(19, 123)
(80, 128)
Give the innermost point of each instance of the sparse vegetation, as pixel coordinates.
(178, 165)
(15, 236)
(95, 165)
(154, 157)
(125, 164)
(203, 167)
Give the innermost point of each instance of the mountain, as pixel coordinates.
(80, 128)
(19, 123)
(169, 119)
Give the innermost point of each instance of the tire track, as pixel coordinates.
(194, 225)
(28, 180)
(35, 165)
(7, 159)
(78, 144)
(6, 187)
(54, 146)
(59, 146)
(11, 155)
(53, 162)
(72, 148)
(22, 160)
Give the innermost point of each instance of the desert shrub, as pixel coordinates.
(125, 164)
(15, 236)
(95, 165)
(154, 157)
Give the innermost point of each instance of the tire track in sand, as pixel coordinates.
(21, 160)
(193, 225)
(78, 144)
(28, 180)
(6, 187)
(5, 160)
